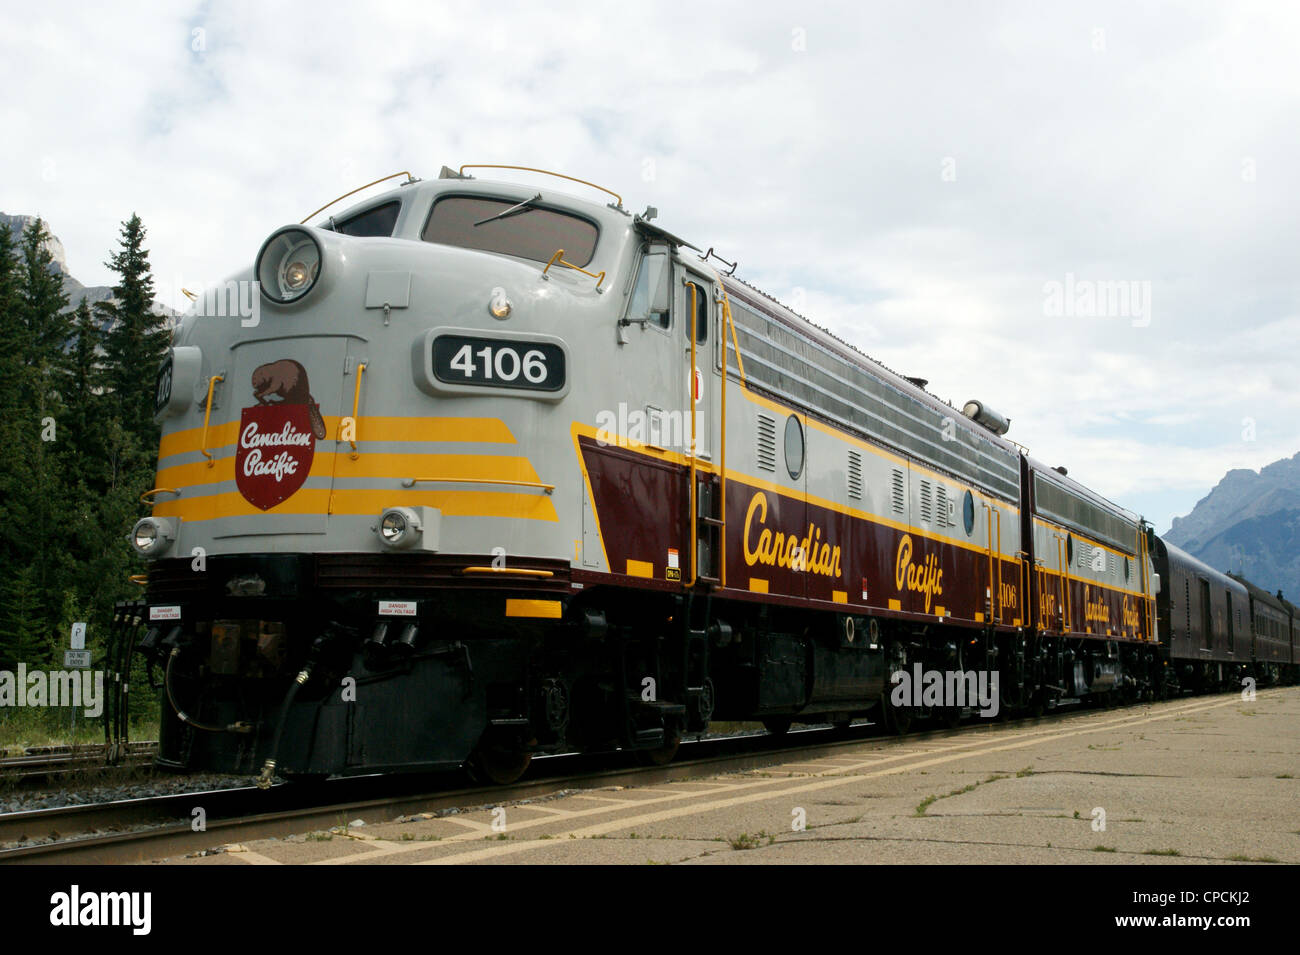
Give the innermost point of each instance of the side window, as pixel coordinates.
(649, 298)
(701, 309)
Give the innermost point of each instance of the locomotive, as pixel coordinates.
(491, 471)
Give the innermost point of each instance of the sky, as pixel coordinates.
(1083, 215)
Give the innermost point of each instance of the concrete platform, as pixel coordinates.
(1202, 780)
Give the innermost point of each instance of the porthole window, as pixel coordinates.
(793, 447)
(968, 513)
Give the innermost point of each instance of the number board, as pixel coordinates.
(498, 363)
(162, 393)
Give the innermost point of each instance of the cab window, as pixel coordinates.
(650, 294)
(524, 230)
(379, 221)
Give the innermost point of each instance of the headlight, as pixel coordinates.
(289, 265)
(399, 527)
(152, 536)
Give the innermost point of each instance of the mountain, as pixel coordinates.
(76, 291)
(1249, 524)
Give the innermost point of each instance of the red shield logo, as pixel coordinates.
(276, 448)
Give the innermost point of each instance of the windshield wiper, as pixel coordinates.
(511, 211)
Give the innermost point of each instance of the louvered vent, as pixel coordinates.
(855, 475)
(898, 491)
(766, 443)
(941, 505)
(927, 502)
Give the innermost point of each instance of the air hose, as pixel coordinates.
(268, 768)
(237, 727)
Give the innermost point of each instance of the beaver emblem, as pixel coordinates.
(287, 380)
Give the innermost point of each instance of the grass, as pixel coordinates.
(1104, 849)
(1238, 857)
(925, 803)
(21, 727)
(746, 841)
(1284, 776)
(1027, 771)
(1162, 852)
(320, 836)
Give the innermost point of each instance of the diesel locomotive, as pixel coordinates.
(490, 470)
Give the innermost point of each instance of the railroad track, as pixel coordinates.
(40, 763)
(141, 830)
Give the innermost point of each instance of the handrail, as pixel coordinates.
(146, 499)
(518, 571)
(989, 524)
(140, 579)
(207, 413)
(409, 179)
(727, 323)
(411, 482)
(544, 172)
(356, 402)
(694, 518)
(558, 259)
(999, 514)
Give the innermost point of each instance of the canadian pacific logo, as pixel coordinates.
(277, 438)
(809, 554)
(924, 578)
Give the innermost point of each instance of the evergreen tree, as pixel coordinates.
(137, 338)
(81, 389)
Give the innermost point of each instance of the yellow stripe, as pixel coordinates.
(534, 507)
(894, 604)
(757, 585)
(640, 568)
(550, 609)
(840, 596)
(475, 430)
(878, 451)
(578, 428)
(449, 467)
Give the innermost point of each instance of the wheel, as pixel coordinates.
(777, 726)
(898, 719)
(498, 765)
(948, 717)
(661, 755)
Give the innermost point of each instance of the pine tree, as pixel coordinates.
(45, 325)
(81, 389)
(137, 338)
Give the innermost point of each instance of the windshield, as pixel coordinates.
(530, 232)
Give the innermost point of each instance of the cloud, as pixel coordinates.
(913, 176)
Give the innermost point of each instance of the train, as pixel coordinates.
(490, 470)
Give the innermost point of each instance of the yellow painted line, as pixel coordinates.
(378, 428)
(534, 507)
(840, 596)
(640, 568)
(550, 609)
(894, 604)
(759, 789)
(757, 585)
(745, 794)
